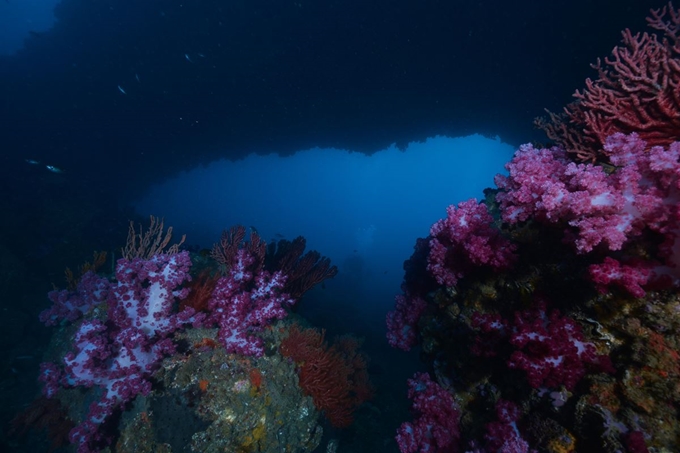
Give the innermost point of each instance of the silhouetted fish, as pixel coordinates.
(54, 169)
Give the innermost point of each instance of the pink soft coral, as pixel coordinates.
(466, 238)
(435, 428)
(548, 347)
(599, 208)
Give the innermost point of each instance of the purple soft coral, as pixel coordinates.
(68, 305)
(466, 238)
(548, 347)
(503, 435)
(119, 356)
(243, 302)
(402, 322)
(599, 208)
(436, 426)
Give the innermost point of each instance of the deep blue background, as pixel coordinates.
(279, 76)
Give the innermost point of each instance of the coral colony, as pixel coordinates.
(119, 356)
(549, 311)
(130, 321)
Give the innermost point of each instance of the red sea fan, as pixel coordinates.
(637, 90)
(335, 377)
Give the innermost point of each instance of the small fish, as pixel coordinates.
(201, 55)
(120, 88)
(137, 77)
(32, 161)
(186, 55)
(54, 169)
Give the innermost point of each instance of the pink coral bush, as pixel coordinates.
(465, 239)
(435, 428)
(602, 209)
